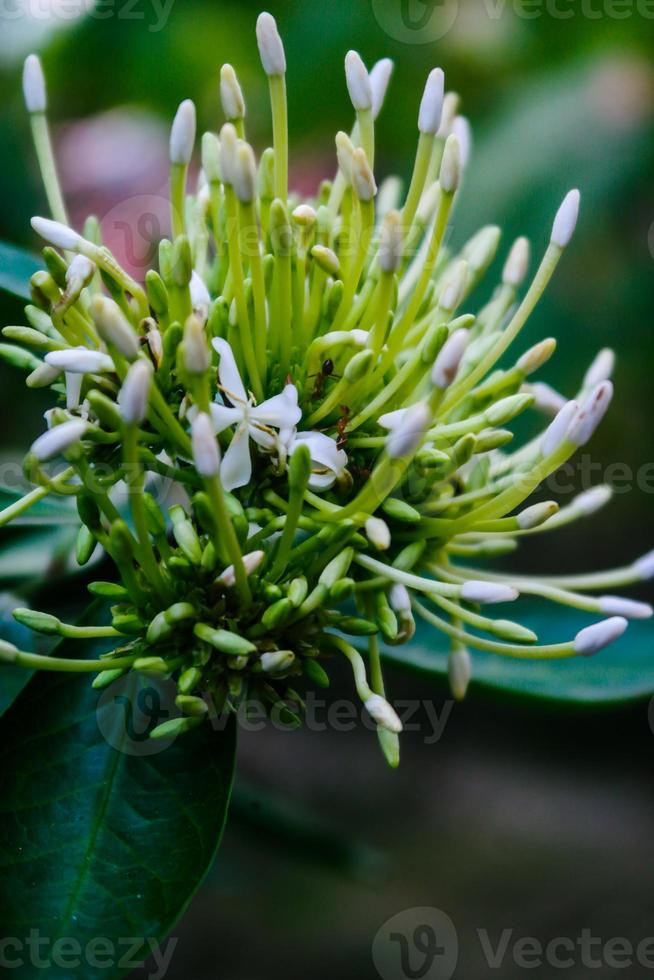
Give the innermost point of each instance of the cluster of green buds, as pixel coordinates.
(306, 378)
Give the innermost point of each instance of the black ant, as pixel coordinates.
(326, 371)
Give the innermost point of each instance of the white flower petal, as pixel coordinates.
(392, 419)
(228, 372)
(236, 467)
(323, 450)
(281, 410)
(262, 437)
(222, 417)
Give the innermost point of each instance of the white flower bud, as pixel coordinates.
(594, 638)
(61, 236)
(405, 438)
(251, 561)
(228, 153)
(536, 515)
(517, 263)
(245, 174)
(451, 104)
(462, 129)
(450, 173)
(449, 359)
(34, 91)
(200, 298)
(590, 414)
(79, 273)
(327, 260)
(487, 593)
(43, 376)
(206, 452)
(113, 327)
(431, 106)
(231, 95)
(58, 440)
(480, 250)
(566, 219)
(80, 360)
(378, 533)
(304, 215)
(614, 605)
(381, 711)
(601, 369)
(399, 598)
(459, 672)
(454, 288)
(363, 179)
(558, 429)
(134, 394)
(536, 356)
(276, 661)
(197, 356)
(358, 81)
(644, 567)
(391, 243)
(182, 134)
(546, 399)
(271, 49)
(590, 501)
(211, 158)
(345, 154)
(380, 76)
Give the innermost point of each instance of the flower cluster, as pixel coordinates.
(307, 380)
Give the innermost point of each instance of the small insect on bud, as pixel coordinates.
(378, 533)
(182, 134)
(566, 219)
(391, 243)
(601, 369)
(61, 236)
(228, 153)
(594, 638)
(405, 438)
(231, 95)
(450, 172)
(537, 515)
(197, 356)
(558, 428)
(80, 360)
(277, 661)
(327, 260)
(449, 359)
(459, 672)
(358, 82)
(613, 605)
(211, 158)
(113, 327)
(245, 174)
(462, 129)
(536, 356)
(271, 49)
(488, 593)
(517, 263)
(34, 91)
(381, 711)
(345, 154)
(363, 179)
(134, 395)
(590, 414)
(58, 440)
(205, 447)
(454, 289)
(380, 76)
(251, 561)
(431, 106)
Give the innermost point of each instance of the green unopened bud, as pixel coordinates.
(88, 511)
(190, 705)
(327, 260)
(85, 546)
(40, 622)
(359, 365)
(337, 568)
(157, 293)
(299, 468)
(386, 618)
(155, 519)
(107, 678)
(333, 299)
(410, 556)
(186, 536)
(277, 661)
(113, 327)
(505, 410)
(129, 623)
(176, 726)
(106, 410)
(297, 590)
(459, 669)
(492, 439)
(197, 357)
(390, 746)
(224, 640)
(120, 541)
(399, 510)
(266, 176)
(353, 625)
(433, 342)
(153, 666)
(342, 589)
(182, 259)
(16, 357)
(159, 629)
(108, 590)
(278, 614)
(281, 233)
(315, 673)
(31, 338)
(189, 680)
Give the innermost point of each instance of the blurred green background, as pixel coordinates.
(537, 821)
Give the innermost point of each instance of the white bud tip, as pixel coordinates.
(252, 561)
(358, 81)
(80, 272)
(228, 153)
(61, 236)
(590, 501)
(200, 298)
(381, 711)
(449, 359)
(601, 369)
(276, 661)
(517, 263)
(454, 289)
(205, 447)
(590, 414)
(231, 95)
(399, 598)
(537, 515)
(380, 76)
(57, 440)
(644, 567)
(113, 327)
(405, 438)
(462, 129)
(614, 605)
(34, 85)
(558, 428)
(134, 395)
(450, 173)
(594, 638)
(546, 399)
(182, 134)
(271, 49)
(305, 215)
(245, 174)
(391, 243)
(378, 533)
(459, 670)
(431, 106)
(487, 593)
(80, 360)
(566, 219)
(363, 178)
(536, 356)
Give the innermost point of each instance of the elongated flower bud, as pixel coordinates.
(345, 155)
(197, 356)
(613, 605)
(271, 49)
(454, 289)
(79, 273)
(245, 174)
(566, 219)
(431, 107)
(34, 91)
(391, 243)
(488, 592)
(58, 440)
(251, 561)
(363, 179)
(517, 263)
(462, 129)
(277, 661)
(134, 395)
(80, 360)
(594, 638)
(450, 173)
(380, 76)
(601, 369)
(378, 533)
(113, 327)
(644, 567)
(327, 260)
(381, 711)
(205, 447)
(211, 158)
(182, 134)
(447, 363)
(558, 429)
(536, 515)
(200, 298)
(61, 236)
(590, 414)
(358, 81)
(459, 672)
(228, 153)
(536, 356)
(405, 438)
(546, 399)
(231, 95)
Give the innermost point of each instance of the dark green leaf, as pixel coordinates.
(623, 672)
(50, 510)
(103, 832)
(16, 267)
(39, 554)
(13, 679)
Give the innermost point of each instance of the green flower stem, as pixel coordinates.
(278, 524)
(297, 489)
(355, 268)
(171, 427)
(105, 260)
(238, 285)
(356, 662)
(381, 310)
(72, 632)
(316, 293)
(225, 535)
(278, 102)
(14, 510)
(496, 627)
(420, 168)
(408, 579)
(178, 173)
(365, 130)
(411, 371)
(47, 166)
(135, 480)
(281, 307)
(34, 661)
(250, 225)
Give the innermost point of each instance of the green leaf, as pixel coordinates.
(16, 267)
(622, 672)
(39, 554)
(104, 833)
(13, 679)
(51, 510)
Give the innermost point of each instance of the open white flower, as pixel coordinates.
(328, 462)
(251, 421)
